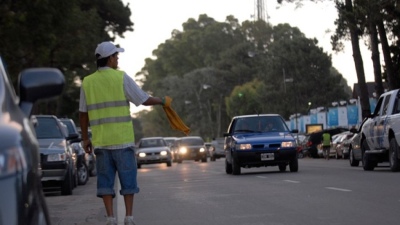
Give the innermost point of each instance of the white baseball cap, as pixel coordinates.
(105, 49)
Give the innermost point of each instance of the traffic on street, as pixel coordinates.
(321, 192)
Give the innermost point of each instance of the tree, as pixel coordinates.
(61, 34)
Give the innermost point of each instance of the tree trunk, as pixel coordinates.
(364, 97)
(375, 58)
(391, 78)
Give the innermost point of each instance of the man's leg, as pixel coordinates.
(129, 204)
(108, 204)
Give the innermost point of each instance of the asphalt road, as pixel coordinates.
(195, 193)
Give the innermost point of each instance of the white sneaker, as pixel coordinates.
(111, 221)
(129, 220)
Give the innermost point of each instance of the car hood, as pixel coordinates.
(153, 149)
(263, 137)
(52, 145)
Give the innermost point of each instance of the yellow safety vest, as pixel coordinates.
(108, 108)
(326, 139)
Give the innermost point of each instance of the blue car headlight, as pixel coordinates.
(243, 146)
(288, 144)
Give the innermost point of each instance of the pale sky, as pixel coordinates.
(154, 21)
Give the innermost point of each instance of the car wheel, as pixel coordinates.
(83, 174)
(368, 165)
(294, 165)
(235, 167)
(67, 184)
(204, 159)
(169, 163)
(393, 157)
(353, 162)
(282, 167)
(139, 165)
(228, 167)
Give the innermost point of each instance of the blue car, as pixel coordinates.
(259, 140)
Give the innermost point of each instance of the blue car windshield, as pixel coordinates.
(48, 128)
(260, 124)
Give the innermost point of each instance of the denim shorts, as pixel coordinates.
(110, 162)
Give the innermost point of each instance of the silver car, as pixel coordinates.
(153, 150)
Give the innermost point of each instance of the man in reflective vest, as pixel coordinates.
(104, 105)
(326, 144)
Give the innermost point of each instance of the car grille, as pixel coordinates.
(152, 153)
(262, 146)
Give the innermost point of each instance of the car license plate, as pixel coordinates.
(267, 156)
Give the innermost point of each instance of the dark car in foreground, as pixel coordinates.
(191, 148)
(251, 142)
(22, 199)
(58, 159)
(153, 150)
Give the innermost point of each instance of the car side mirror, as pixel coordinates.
(39, 83)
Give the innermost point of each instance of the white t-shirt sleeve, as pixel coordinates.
(82, 102)
(133, 92)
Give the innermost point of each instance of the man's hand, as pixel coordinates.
(87, 146)
(166, 101)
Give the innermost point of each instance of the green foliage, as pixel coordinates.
(61, 34)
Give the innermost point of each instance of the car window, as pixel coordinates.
(48, 128)
(149, 143)
(260, 124)
(70, 127)
(192, 141)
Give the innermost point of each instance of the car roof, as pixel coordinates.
(255, 115)
(147, 138)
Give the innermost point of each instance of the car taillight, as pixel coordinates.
(309, 143)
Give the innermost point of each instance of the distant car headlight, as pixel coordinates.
(56, 157)
(202, 150)
(183, 150)
(243, 147)
(163, 153)
(142, 154)
(288, 144)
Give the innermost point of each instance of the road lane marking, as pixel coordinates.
(338, 189)
(292, 181)
(261, 177)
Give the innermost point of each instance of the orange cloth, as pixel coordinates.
(174, 120)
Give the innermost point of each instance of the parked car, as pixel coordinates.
(217, 149)
(90, 158)
(248, 144)
(22, 199)
(299, 142)
(190, 148)
(58, 160)
(314, 140)
(152, 150)
(342, 145)
(81, 163)
(355, 149)
(84, 159)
